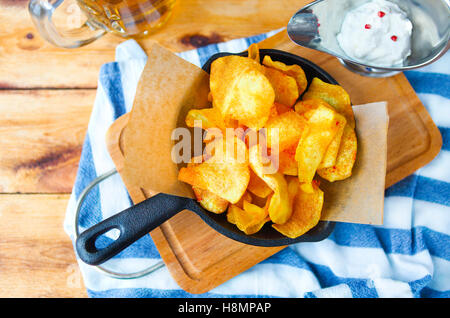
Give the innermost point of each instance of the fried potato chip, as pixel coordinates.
(211, 134)
(228, 181)
(260, 215)
(210, 201)
(304, 107)
(288, 126)
(281, 109)
(287, 164)
(208, 117)
(246, 197)
(292, 70)
(280, 207)
(314, 142)
(273, 111)
(329, 159)
(249, 220)
(257, 186)
(334, 95)
(278, 109)
(225, 173)
(253, 52)
(229, 149)
(241, 91)
(285, 86)
(307, 187)
(196, 160)
(307, 209)
(293, 187)
(345, 160)
(313, 135)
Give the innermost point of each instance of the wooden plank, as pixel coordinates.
(28, 61)
(41, 137)
(36, 256)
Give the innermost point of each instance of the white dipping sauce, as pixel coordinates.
(377, 33)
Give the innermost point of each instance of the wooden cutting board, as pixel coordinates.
(200, 259)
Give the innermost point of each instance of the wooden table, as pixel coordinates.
(46, 97)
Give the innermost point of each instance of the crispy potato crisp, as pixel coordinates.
(241, 91)
(263, 146)
(334, 95)
(307, 208)
(292, 70)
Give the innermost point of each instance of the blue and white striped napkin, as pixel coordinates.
(409, 256)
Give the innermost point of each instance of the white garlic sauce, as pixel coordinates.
(377, 33)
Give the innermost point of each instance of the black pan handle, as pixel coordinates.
(133, 223)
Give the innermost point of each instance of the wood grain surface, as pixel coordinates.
(46, 95)
(41, 136)
(194, 23)
(36, 256)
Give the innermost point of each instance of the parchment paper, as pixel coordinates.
(360, 198)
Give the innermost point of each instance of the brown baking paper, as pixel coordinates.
(360, 198)
(170, 86)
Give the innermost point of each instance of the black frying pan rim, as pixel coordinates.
(218, 221)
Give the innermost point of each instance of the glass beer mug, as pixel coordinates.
(127, 18)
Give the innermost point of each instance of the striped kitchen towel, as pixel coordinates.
(409, 256)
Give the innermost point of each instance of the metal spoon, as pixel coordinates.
(316, 25)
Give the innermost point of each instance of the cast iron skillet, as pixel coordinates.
(138, 220)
